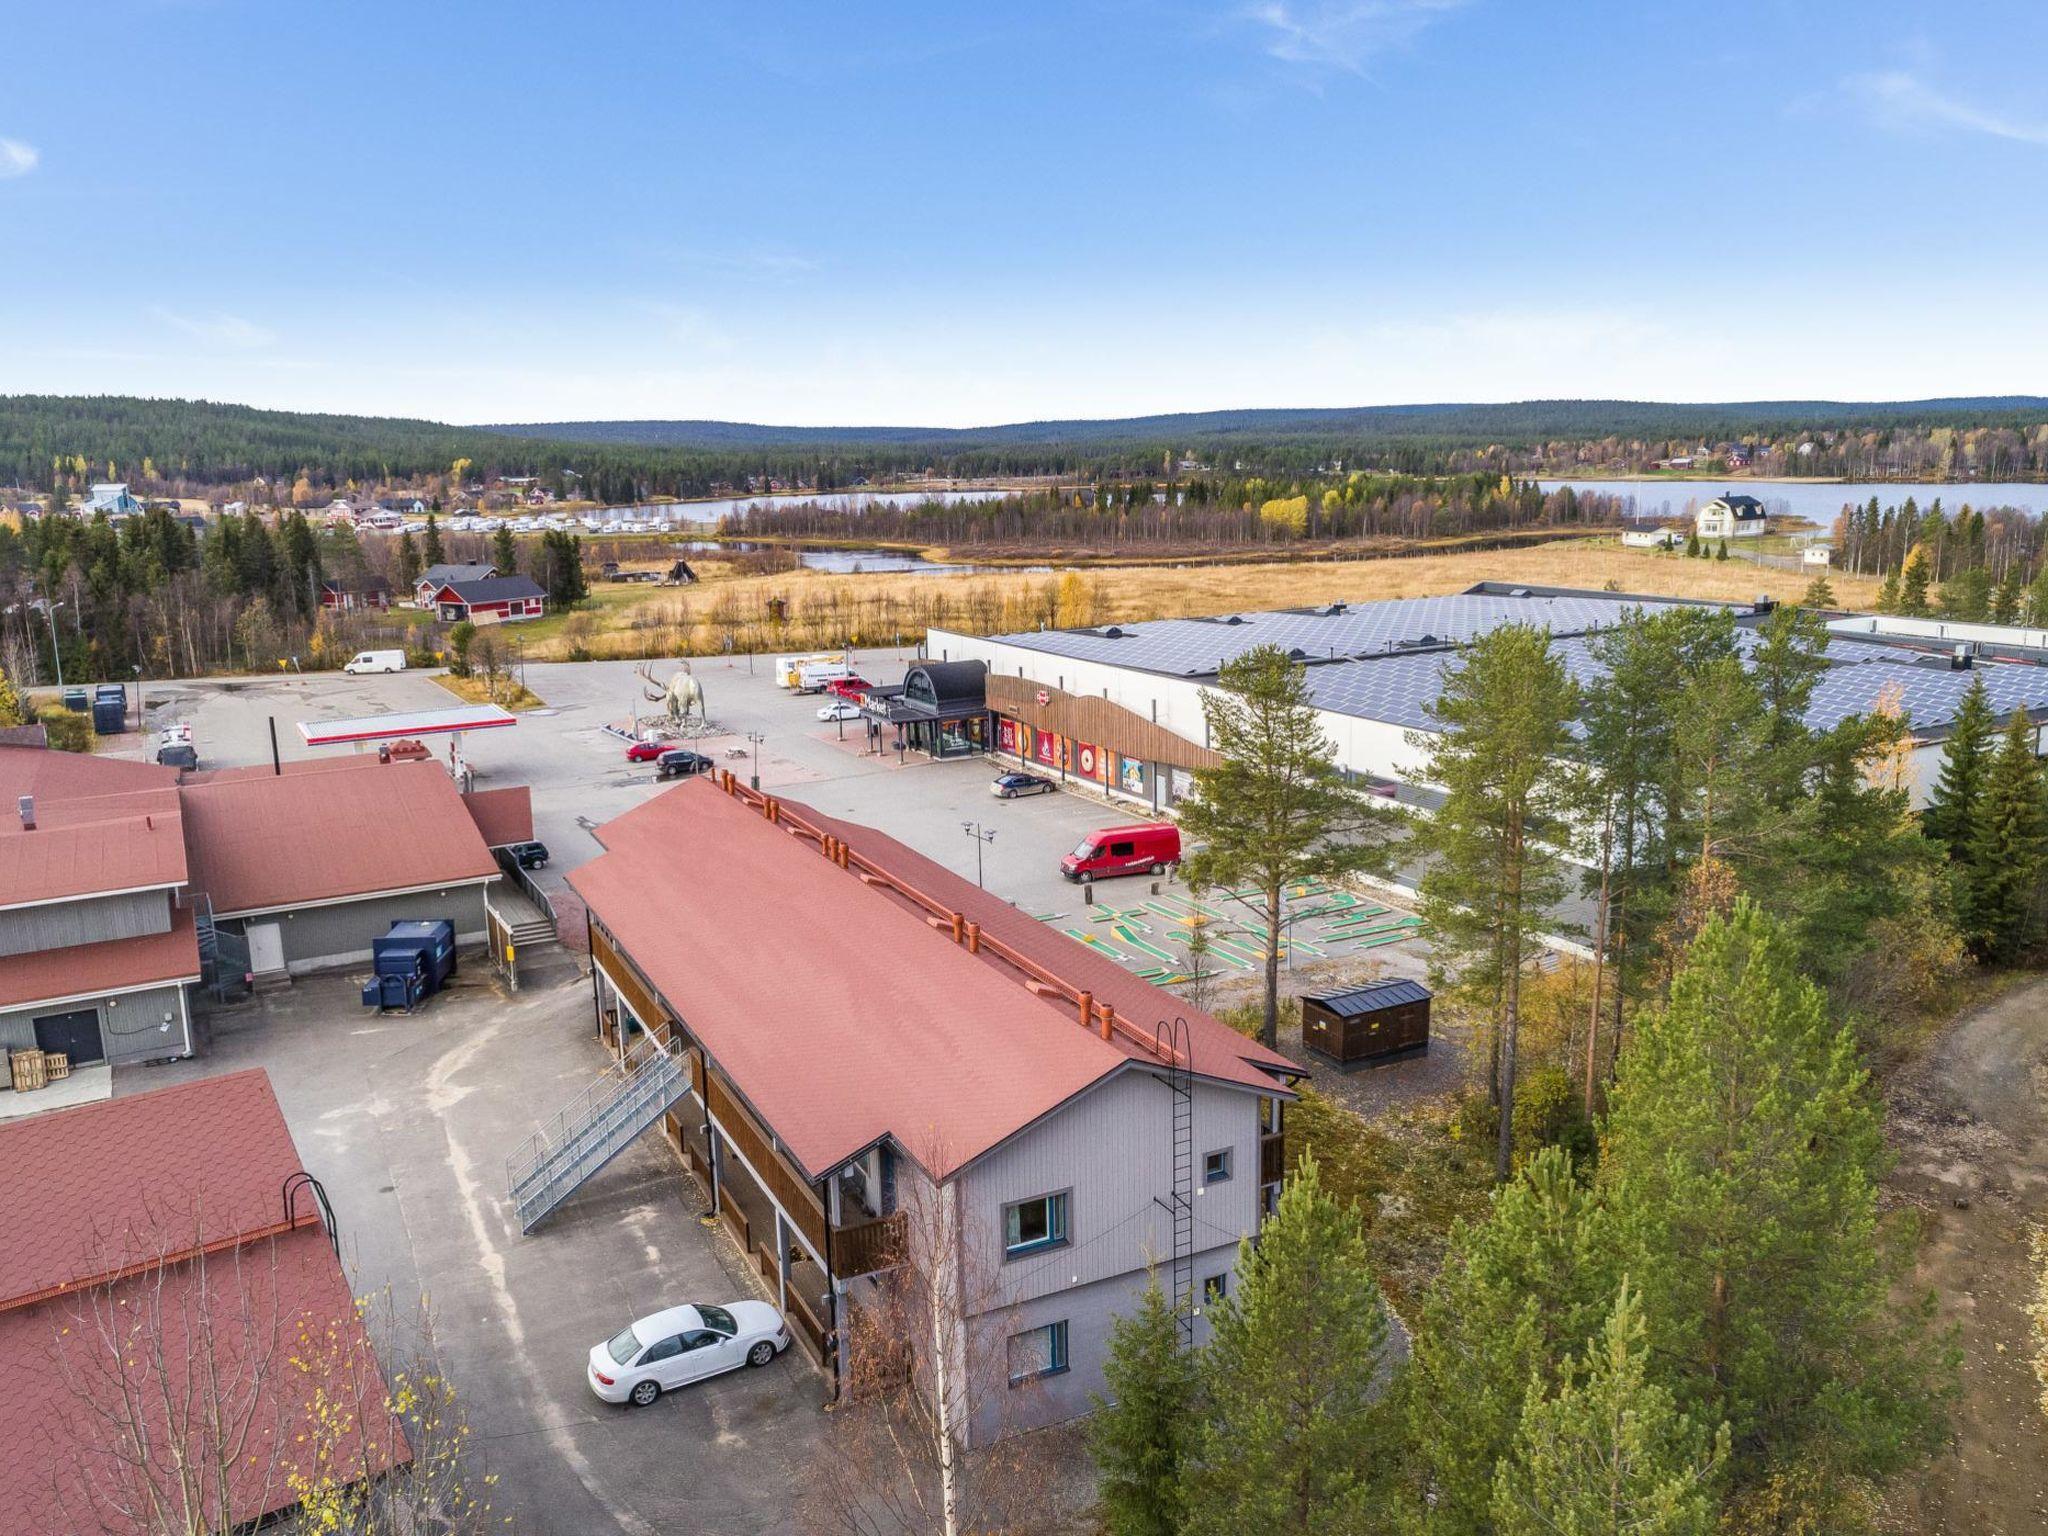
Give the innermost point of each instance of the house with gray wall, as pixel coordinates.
(922, 1052)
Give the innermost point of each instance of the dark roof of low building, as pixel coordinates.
(953, 681)
(1370, 998)
(1741, 505)
(437, 574)
(494, 589)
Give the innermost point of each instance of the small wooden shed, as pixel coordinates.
(1366, 1026)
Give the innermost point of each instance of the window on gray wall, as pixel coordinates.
(1038, 1352)
(1216, 1167)
(1034, 1225)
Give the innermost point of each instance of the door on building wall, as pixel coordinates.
(76, 1034)
(266, 948)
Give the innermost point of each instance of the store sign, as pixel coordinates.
(1048, 749)
(1044, 698)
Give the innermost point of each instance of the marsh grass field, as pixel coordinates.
(731, 611)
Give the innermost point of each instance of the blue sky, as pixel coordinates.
(947, 214)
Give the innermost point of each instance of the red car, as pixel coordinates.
(645, 751)
(849, 687)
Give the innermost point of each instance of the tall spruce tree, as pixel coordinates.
(405, 563)
(1741, 1164)
(1502, 730)
(1951, 812)
(1293, 1415)
(1275, 810)
(1139, 1433)
(504, 551)
(430, 544)
(1913, 582)
(2009, 597)
(1611, 1453)
(2008, 843)
(1519, 1290)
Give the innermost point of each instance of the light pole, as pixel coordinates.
(56, 651)
(982, 836)
(754, 780)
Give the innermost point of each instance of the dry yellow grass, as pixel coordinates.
(509, 692)
(872, 610)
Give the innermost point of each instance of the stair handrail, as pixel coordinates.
(556, 1132)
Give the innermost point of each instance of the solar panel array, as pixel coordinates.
(1400, 689)
(1198, 647)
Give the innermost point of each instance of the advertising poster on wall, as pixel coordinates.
(1046, 748)
(1087, 761)
(1006, 735)
(1130, 775)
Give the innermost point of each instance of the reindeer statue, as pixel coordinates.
(681, 694)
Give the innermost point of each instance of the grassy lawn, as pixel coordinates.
(506, 692)
(631, 620)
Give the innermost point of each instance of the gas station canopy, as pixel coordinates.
(452, 721)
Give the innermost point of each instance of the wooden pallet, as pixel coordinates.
(29, 1068)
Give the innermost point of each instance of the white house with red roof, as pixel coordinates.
(922, 1039)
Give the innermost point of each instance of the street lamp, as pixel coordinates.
(982, 837)
(754, 780)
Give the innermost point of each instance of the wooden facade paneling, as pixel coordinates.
(869, 1247)
(1085, 717)
(638, 995)
(791, 1191)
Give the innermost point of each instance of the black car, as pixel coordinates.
(1009, 786)
(680, 764)
(529, 855)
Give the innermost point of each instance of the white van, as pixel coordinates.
(376, 661)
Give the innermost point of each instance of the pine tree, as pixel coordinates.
(1741, 1169)
(2037, 599)
(2008, 842)
(1820, 593)
(2009, 598)
(1888, 593)
(1721, 550)
(1293, 1417)
(430, 548)
(1967, 595)
(1913, 583)
(405, 562)
(1275, 811)
(1502, 728)
(1610, 1454)
(1518, 1291)
(1139, 1433)
(504, 552)
(1951, 812)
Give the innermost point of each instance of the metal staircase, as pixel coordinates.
(593, 1128)
(1180, 1082)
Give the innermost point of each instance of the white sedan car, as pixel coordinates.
(840, 709)
(684, 1344)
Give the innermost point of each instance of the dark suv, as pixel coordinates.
(529, 855)
(680, 763)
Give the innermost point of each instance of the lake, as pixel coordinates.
(847, 562)
(1677, 498)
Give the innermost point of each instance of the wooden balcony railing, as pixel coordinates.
(868, 1247)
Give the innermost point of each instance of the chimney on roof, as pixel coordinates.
(27, 806)
(1960, 661)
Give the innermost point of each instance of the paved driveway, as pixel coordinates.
(408, 1121)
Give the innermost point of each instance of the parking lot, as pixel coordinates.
(407, 1122)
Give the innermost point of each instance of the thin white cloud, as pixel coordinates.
(1343, 34)
(1896, 97)
(16, 158)
(219, 330)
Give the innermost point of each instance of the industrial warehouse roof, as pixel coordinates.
(871, 1023)
(99, 827)
(267, 842)
(159, 1218)
(1197, 647)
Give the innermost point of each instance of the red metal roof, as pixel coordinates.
(269, 841)
(85, 846)
(158, 1218)
(43, 773)
(502, 815)
(838, 1009)
(112, 965)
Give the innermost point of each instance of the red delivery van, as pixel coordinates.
(1139, 850)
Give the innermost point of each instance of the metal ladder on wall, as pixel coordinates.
(1170, 1041)
(593, 1128)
